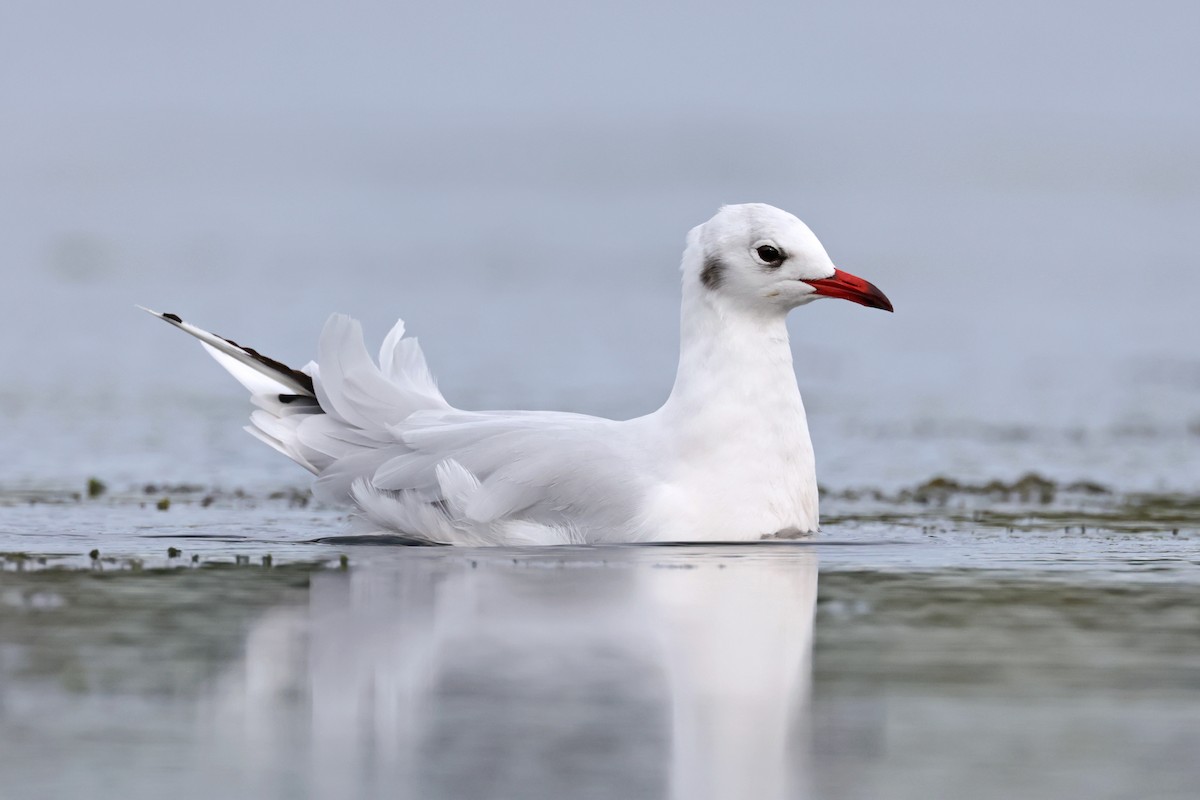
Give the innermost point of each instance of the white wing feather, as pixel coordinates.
(384, 438)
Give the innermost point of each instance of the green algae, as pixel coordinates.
(1137, 513)
(181, 493)
(1031, 502)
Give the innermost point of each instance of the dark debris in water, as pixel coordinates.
(1031, 502)
(1173, 514)
(97, 490)
(174, 561)
(177, 488)
(941, 490)
(296, 498)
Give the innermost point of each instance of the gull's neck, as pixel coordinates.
(733, 361)
(734, 437)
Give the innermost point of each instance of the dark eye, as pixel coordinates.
(770, 255)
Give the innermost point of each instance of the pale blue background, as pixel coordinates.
(516, 180)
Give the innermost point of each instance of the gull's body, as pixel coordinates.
(727, 457)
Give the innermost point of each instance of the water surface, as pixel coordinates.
(906, 651)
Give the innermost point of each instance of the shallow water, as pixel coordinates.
(910, 650)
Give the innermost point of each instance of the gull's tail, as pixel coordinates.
(276, 389)
(333, 420)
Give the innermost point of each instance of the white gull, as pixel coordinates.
(727, 457)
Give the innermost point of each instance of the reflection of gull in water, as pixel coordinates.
(727, 457)
(738, 646)
(599, 674)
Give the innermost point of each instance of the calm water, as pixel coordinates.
(911, 650)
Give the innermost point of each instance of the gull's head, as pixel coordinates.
(758, 257)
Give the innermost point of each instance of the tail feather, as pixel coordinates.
(283, 396)
(249, 366)
(333, 419)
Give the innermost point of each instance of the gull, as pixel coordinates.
(727, 457)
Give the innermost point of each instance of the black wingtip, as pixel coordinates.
(304, 382)
(174, 318)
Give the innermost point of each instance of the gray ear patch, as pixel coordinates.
(713, 274)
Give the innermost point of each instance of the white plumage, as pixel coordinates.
(727, 457)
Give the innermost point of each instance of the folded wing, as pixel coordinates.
(383, 437)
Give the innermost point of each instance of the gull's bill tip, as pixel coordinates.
(852, 288)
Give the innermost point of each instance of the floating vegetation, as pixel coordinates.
(942, 490)
(178, 488)
(1029, 488)
(1141, 513)
(20, 561)
(1031, 502)
(296, 498)
(182, 493)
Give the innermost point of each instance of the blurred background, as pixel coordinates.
(516, 180)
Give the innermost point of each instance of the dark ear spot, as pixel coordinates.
(713, 274)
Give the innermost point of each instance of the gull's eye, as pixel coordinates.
(769, 255)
